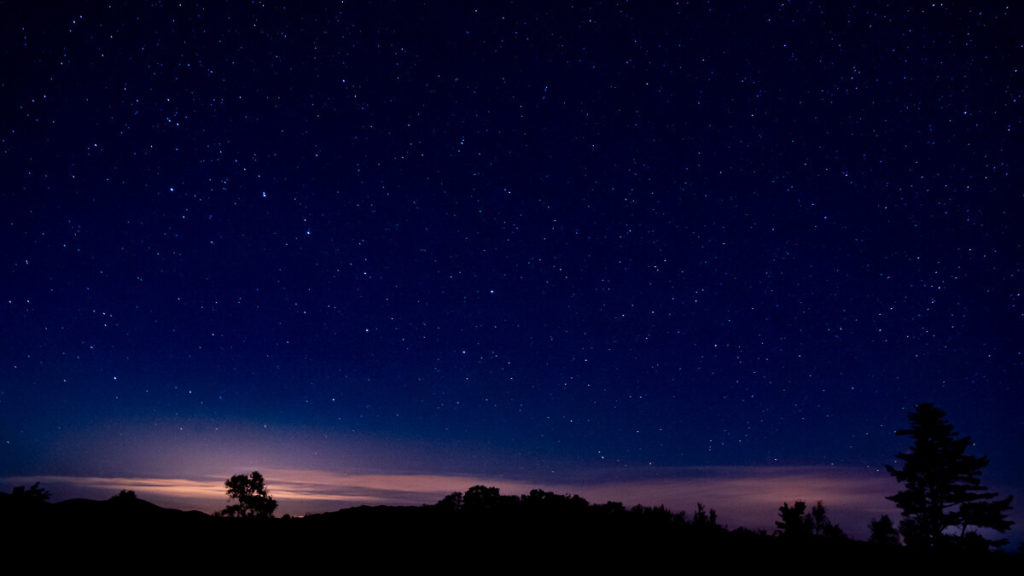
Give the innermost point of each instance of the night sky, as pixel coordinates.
(683, 245)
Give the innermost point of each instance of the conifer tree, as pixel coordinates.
(943, 498)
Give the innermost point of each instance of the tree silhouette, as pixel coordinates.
(821, 525)
(796, 522)
(481, 499)
(703, 518)
(253, 501)
(451, 502)
(942, 487)
(23, 500)
(793, 521)
(883, 532)
(35, 494)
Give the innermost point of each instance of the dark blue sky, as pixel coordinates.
(506, 239)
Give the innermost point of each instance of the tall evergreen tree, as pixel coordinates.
(943, 497)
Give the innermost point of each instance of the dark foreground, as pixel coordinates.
(122, 535)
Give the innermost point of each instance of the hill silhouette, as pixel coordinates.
(478, 530)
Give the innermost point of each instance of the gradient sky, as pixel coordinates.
(549, 246)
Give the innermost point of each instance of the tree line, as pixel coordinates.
(942, 501)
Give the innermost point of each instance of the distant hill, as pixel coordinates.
(538, 531)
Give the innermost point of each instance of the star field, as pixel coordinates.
(522, 238)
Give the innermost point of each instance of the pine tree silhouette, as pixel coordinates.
(942, 487)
